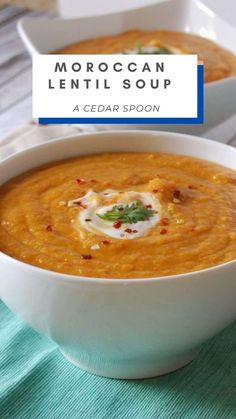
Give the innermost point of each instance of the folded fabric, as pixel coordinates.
(32, 134)
(37, 382)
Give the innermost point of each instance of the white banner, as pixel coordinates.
(115, 86)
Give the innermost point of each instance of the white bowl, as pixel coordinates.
(42, 36)
(121, 328)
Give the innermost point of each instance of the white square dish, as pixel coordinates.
(42, 35)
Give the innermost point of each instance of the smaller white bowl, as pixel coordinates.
(42, 36)
(121, 328)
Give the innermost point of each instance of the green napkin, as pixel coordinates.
(37, 382)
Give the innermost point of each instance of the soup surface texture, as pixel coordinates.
(121, 215)
(218, 62)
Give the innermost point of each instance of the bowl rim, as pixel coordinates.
(28, 41)
(115, 281)
(103, 280)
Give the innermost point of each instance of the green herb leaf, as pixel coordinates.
(162, 50)
(131, 213)
(138, 48)
(158, 51)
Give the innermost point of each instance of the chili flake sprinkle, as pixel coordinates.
(86, 257)
(164, 222)
(163, 231)
(105, 242)
(49, 227)
(117, 224)
(80, 181)
(176, 194)
(128, 230)
(80, 204)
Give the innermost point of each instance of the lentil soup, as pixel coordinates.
(121, 215)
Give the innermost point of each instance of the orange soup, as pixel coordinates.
(121, 215)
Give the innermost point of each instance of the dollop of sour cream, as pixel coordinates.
(94, 203)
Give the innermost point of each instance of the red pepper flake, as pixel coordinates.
(49, 227)
(176, 194)
(93, 180)
(80, 181)
(177, 198)
(128, 230)
(86, 257)
(105, 242)
(155, 190)
(148, 206)
(80, 204)
(163, 231)
(164, 222)
(117, 224)
(88, 219)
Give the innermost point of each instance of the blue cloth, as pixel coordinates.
(37, 382)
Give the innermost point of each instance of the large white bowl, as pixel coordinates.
(42, 36)
(121, 328)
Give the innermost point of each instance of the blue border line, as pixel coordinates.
(198, 120)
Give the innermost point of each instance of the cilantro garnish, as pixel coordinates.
(130, 213)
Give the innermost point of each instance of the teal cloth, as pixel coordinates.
(37, 382)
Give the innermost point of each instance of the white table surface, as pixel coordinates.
(15, 72)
